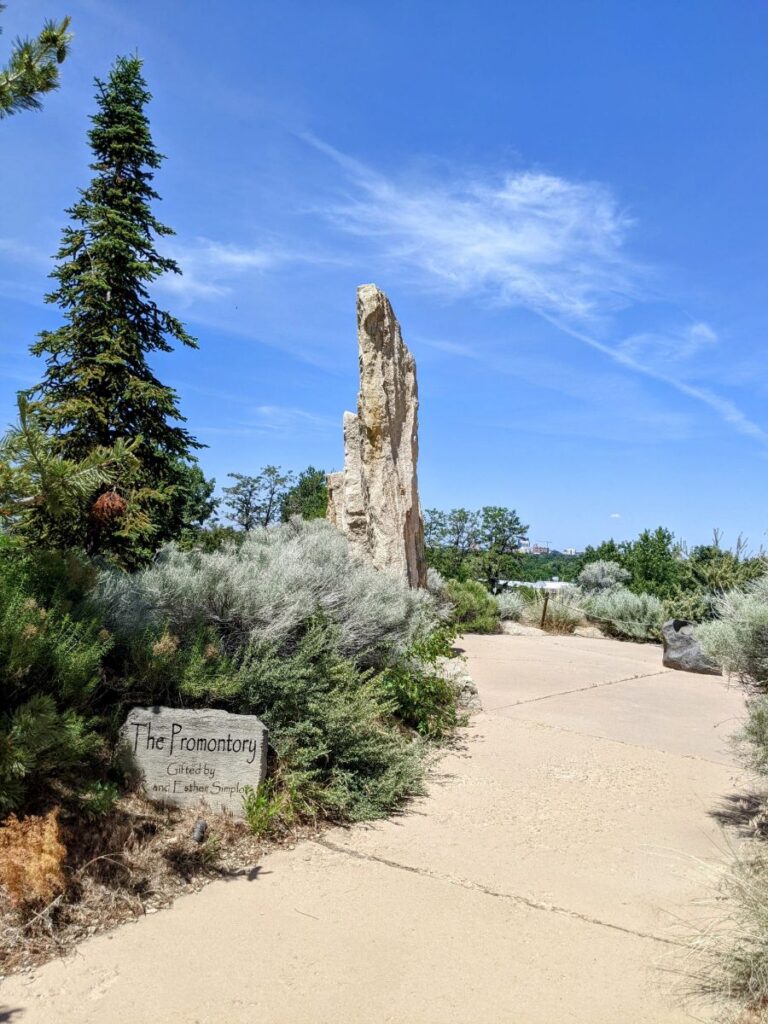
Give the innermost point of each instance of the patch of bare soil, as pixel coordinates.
(133, 861)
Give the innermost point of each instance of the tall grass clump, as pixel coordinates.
(437, 588)
(738, 638)
(625, 615)
(563, 614)
(265, 590)
(730, 959)
(511, 606)
(727, 961)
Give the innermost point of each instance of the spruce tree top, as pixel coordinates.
(98, 386)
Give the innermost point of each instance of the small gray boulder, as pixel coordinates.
(682, 650)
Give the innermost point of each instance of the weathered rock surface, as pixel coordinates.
(375, 501)
(682, 650)
(456, 672)
(187, 756)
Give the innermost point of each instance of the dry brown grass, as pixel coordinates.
(132, 862)
(562, 616)
(31, 860)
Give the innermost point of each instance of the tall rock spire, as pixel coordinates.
(375, 500)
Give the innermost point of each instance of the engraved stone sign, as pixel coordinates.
(187, 756)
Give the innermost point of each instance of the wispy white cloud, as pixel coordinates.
(677, 345)
(276, 419)
(728, 411)
(22, 252)
(522, 238)
(210, 269)
(454, 348)
(531, 240)
(615, 515)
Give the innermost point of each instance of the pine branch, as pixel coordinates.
(33, 68)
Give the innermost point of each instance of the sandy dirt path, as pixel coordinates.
(538, 883)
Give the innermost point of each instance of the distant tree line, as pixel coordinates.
(485, 545)
(482, 544)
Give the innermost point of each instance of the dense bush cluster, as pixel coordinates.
(621, 613)
(264, 590)
(475, 610)
(601, 575)
(334, 657)
(689, 582)
(738, 637)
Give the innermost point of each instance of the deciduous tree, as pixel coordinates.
(256, 500)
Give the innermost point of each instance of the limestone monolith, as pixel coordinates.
(375, 501)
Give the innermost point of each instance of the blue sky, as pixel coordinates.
(564, 199)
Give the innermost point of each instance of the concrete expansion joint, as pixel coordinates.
(523, 901)
(579, 689)
(620, 743)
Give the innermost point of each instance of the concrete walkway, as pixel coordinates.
(537, 884)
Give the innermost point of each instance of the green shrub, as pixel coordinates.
(50, 671)
(511, 606)
(332, 728)
(339, 661)
(424, 700)
(693, 605)
(474, 609)
(626, 615)
(738, 638)
(705, 576)
(339, 751)
(263, 807)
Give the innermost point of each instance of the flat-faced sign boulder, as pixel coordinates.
(189, 756)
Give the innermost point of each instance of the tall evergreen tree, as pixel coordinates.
(98, 386)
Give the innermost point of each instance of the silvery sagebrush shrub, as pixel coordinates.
(626, 615)
(727, 960)
(602, 575)
(266, 589)
(511, 606)
(437, 586)
(738, 638)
